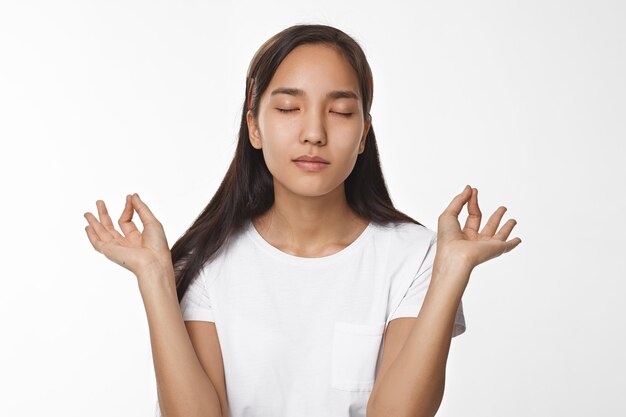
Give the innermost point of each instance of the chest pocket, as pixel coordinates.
(354, 354)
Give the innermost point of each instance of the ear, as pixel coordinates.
(368, 123)
(253, 129)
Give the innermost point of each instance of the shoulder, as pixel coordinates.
(409, 246)
(407, 234)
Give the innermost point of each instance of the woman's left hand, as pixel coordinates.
(469, 246)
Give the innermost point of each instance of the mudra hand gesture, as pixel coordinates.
(469, 247)
(139, 252)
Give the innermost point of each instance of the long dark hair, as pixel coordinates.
(247, 189)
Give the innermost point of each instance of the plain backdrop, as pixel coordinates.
(524, 100)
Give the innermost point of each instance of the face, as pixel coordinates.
(312, 121)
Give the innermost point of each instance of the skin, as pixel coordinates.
(411, 380)
(310, 216)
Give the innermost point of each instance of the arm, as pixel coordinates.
(413, 385)
(184, 389)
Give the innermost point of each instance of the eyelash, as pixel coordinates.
(290, 110)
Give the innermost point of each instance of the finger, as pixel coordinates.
(474, 215)
(93, 238)
(512, 244)
(111, 251)
(493, 222)
(105, 219)
(457, 203)
(144, 212)
(125, 221)
(505, 230)
(103, 234)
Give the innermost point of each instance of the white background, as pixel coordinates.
(524, 100)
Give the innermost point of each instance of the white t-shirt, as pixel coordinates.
(303, 336)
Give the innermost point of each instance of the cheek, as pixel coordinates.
(346, 146)
(278, 132)
(281, 141)
(276, 153)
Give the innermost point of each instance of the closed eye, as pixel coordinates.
(290, 110)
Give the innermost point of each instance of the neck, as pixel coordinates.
(310, 225)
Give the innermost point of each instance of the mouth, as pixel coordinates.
(311, 166)
(311, 158)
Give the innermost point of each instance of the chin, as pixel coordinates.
(305, 187)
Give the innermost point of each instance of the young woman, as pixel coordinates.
(296, 292)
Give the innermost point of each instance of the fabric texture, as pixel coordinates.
(303, 336)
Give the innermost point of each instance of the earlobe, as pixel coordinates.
(367, 129)
(253, 131)
(362, 144)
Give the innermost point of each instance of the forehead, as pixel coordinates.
(315, 68)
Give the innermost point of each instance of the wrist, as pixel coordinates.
(452, 267)
(156, 279)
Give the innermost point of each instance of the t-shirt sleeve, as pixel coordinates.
(411, 303)
(196, 303)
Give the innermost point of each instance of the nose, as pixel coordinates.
(314, 129)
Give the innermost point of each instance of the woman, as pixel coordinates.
(297, 289)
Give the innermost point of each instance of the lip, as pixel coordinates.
(311, 166)
(311, 158)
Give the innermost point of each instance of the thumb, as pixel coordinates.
(457, 203)
(144, 212)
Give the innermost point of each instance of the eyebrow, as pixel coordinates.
(298, 92)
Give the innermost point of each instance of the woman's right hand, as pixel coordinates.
(139, 252)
